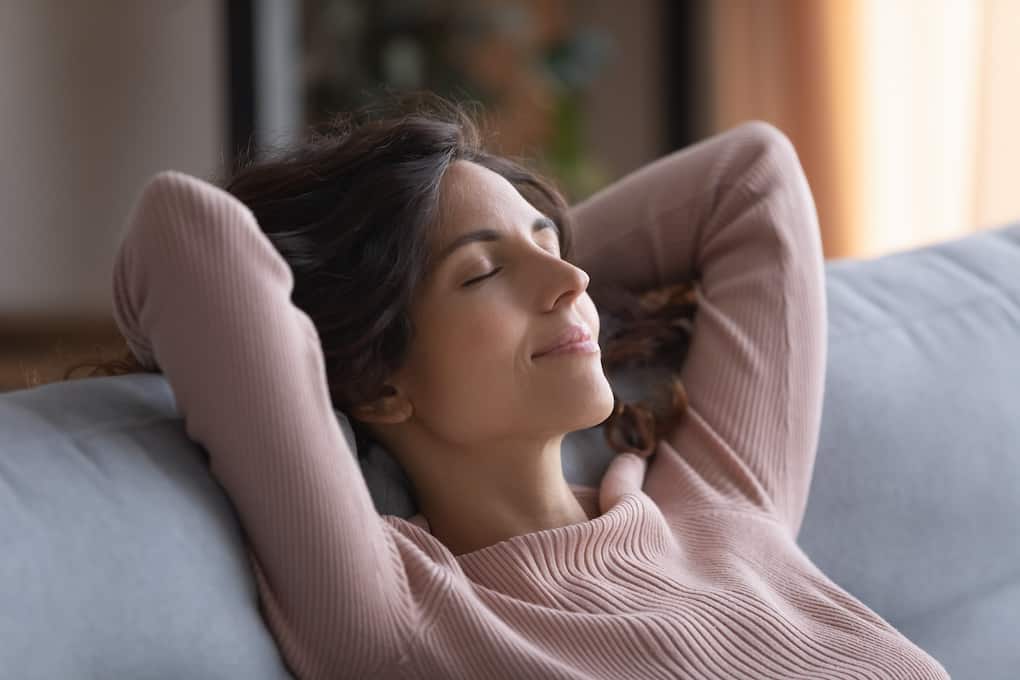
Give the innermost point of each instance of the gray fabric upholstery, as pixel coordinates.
(915, 501)
(122, 557)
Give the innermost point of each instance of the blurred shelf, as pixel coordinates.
(38, 351)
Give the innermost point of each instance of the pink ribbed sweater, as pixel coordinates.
(689, 567)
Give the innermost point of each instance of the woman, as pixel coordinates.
(395, 270)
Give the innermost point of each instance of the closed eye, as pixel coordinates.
(479, 278)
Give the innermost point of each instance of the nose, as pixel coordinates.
(569, 282)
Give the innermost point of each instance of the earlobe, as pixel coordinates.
(389, 409)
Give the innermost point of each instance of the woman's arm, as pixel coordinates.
(735, 212)
(201, 292)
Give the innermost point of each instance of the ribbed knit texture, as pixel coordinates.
(690, 567)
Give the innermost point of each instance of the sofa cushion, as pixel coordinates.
(122, 557)
(914, 505)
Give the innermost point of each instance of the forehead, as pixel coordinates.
(472, 196)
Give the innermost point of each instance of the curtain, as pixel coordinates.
(901, 110)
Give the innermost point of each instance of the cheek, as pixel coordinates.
(475, 350)
(467, 361)
(478, 338)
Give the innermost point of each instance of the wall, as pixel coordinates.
(626, 107)
(97, 96)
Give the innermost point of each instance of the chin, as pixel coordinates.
(578, 405)
(608, 410)
(601, 406)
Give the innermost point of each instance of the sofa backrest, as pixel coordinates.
(120, 556)
(915, 500)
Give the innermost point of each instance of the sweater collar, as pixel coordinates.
(632, 531)
(626, 529)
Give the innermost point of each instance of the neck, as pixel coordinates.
(482, 500)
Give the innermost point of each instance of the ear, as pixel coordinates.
(391, 408)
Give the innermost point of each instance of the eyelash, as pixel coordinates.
(479, 279)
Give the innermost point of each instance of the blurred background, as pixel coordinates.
(902, 111)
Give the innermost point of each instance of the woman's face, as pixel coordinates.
(485, 309)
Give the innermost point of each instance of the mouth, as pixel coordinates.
(574, 348)
(572, 340)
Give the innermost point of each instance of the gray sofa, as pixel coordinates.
(120, 557)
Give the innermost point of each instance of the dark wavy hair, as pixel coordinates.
(350, 208)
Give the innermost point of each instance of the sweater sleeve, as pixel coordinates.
(734, 212)
(200, 292)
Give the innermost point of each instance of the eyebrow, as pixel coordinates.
(540, 223)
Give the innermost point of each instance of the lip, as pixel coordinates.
(584, 347)
(573, 338)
